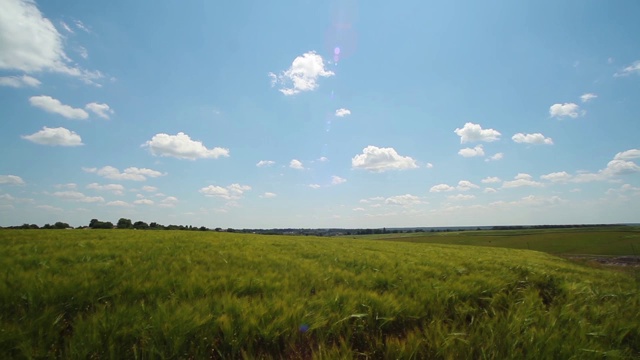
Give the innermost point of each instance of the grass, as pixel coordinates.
(113, 294)
(585, 241)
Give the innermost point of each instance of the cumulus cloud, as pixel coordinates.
(55, 137)
(461, 197)
(335, 180)
(19, 81)
(114, 188)
(130, 173)
(377, 159)
(465, 185)
(628, 155)
(77, 196)
(143, 202)
(343, 112)
(495, 157)
(403, 200)
(315, 186)
(148, 188)
(49, 104)
(567, 109)
(49, 208)
(119, 203)
(296, 164)
(561, 176)
(490, 180)
(535, 138)
(441, 188)
(268, 195)
(472, 152)
(587, 97)
(471, 132)
(489, 190)
(429, 166)
(265, 163)
(521, 180)
(102, 110)
(302, 75)
(631, 69)
(231, 192)
(168, 202)
(181, 146)
(620, 167)
(11, 180)
(30, 43)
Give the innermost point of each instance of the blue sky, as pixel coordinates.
(320, 114)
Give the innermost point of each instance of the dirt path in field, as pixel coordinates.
(624, 260)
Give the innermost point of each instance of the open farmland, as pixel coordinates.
(623, 240)
(169, 294)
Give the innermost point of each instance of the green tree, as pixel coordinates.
(124, 223)
(140, 225)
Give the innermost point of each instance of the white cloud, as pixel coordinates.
(382, 159)
(358, 209)
(536, 138)
(296, 164)
(587, 97)
(561, 176)
(130, 173)
(343, 112)
(82, 51)
(168, 202)
(490, 180)
(429, 166)
(472, 152)
(335, 180)
(473, 132)
(77, 196)
(495, 157)
(489, 190)
(55, 137)
(323, 159)
(465, 185)
(268, 195)
(30, 43)
(49, 208)
(461, 197)
(181, 146)
(521, 180)
(403, 200)
(265, 163)
(620, 167)
(11, 180)
(19, 81)
(631, 69)
(52, 105)
(81, 26)
(302, 75)
(315, 186)
(231, 192)
(441, 188)
(114, 188)
(102, 110)
(66, 186)
(118, 203)
(66, 27)
(148, 188)
(567, 109)
(628, 155)
(143, 202)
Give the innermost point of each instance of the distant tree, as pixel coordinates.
(60, 225)
(140, 225)
(34, 226)
(93, 223)
(47, 226)
(203, 228)
(124, 223)
(218, 229)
